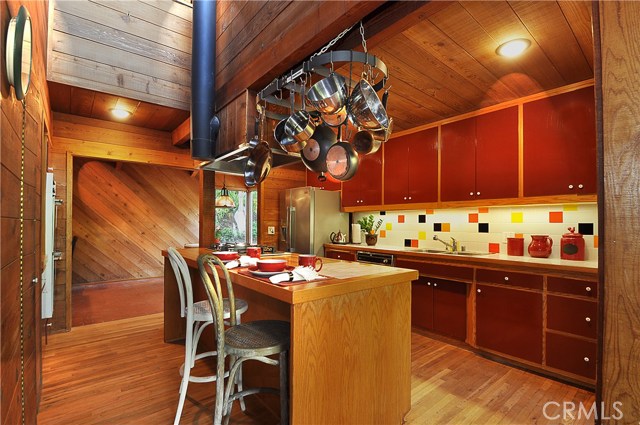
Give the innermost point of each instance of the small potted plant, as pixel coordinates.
(370, 229)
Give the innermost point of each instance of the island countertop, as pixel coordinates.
(350, 355)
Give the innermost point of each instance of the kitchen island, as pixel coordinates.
(350, 358)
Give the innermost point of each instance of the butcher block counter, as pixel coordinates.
(350, 337)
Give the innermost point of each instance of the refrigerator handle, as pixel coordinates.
(292, 228)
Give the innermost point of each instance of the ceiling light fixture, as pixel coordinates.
(120, 113)
(224, 200)
(513, 48)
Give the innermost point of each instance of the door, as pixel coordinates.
(365, 188)
(422, 303)
(422, 168)
(458, 160)
(450, 308)
(396, 169)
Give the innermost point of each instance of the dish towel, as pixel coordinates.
(297, 274)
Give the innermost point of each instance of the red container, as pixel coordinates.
(271, 265)
(540, 246)
(515, 246)
(254, 251)
(310, 260)
(226, 255)
(572, 245)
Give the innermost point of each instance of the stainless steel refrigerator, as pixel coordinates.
(308, 216)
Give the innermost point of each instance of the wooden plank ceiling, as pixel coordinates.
(443, 63)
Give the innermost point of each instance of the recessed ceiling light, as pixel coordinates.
(120, 113)
(513, 48)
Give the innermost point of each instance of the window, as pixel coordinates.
(234, 224)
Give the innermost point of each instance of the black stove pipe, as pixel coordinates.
(204, 124)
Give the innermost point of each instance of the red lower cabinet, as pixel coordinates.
(440, 306)
(509, 321)
(573, 355)
(422, 303)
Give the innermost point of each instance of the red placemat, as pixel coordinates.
(245, 271)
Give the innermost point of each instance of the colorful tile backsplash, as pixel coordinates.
(486, 228)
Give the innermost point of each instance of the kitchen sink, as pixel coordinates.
(442, 251)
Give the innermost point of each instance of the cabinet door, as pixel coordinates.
(423, 167)
(340, 255)
(571, 354)
(572, 315)
(450, 308)
(396, 169)
(560, 144)
(422, 303)
(497, 154)
(458, 161)
(328, 184)
(365, 188)
(509, 321)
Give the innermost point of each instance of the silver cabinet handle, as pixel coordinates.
(405, 198)
(506, 278)
(588, 289)
(586, 359)
(435, 284)
(429, 283)
(580, 186)
(409, 197)
(478, 193)
(570, 186)
(479, 290)
(470, 193)
(587, 319)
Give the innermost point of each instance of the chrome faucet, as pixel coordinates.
(453, 246)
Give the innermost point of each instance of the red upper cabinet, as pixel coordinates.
(328, 184)
(365, 188)
(560, 144)
(479, 157)
(411, 168)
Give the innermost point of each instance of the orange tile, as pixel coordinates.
(595, 241)
(428, 211)
(483, 210)
(446, 227)
(414, 243)
(383, 233)
(494, 247)
(473, 218)
(556, 216)
(401, 218)
(519, 235)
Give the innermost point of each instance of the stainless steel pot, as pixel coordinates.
(288, 143)
(300, 126)
(369, 141)
(329, 94)
(314, 154)
(336, 119)
(365, 108)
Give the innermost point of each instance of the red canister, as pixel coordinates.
(572, 245)
(515, 246)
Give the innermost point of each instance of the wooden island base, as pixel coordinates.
(350, 338)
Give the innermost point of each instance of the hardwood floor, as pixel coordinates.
(121, 372)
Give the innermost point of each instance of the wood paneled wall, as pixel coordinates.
(269, 199)
(619, 31)
(125, 214)
(135, 49)
(21, 363)
(76, 137)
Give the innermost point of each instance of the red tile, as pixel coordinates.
(414, 243)
(494, 247)
(428, 211)
(483, 210)
(401, 218)
(473, 218)
(556, 217)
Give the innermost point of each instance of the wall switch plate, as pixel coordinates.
(506, 235)
(271, 230)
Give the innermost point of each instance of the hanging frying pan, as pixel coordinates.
(314, 154)
(342, 160)
(258, 164)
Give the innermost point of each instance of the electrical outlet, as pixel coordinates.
(271, 230)
(506, 235)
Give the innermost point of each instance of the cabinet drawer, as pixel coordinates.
(505, 277)
(437, 270)
(572, 286)
(572, 315)
(571, 355)
(340, 255)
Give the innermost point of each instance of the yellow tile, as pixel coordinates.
(446, 227)
(383, 233)
(516, 217)
(519, 235)
(569, 208)
(422, 236)
(388, 226)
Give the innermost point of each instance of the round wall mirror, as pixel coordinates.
(18, 53)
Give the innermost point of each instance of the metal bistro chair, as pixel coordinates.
(241, 342)
(198, 317)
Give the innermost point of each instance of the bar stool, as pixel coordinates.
(198, 316)
(241, 342)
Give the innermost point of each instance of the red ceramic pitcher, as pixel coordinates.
(540, 246)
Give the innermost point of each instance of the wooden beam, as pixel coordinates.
(390, 20)
(182, 133)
